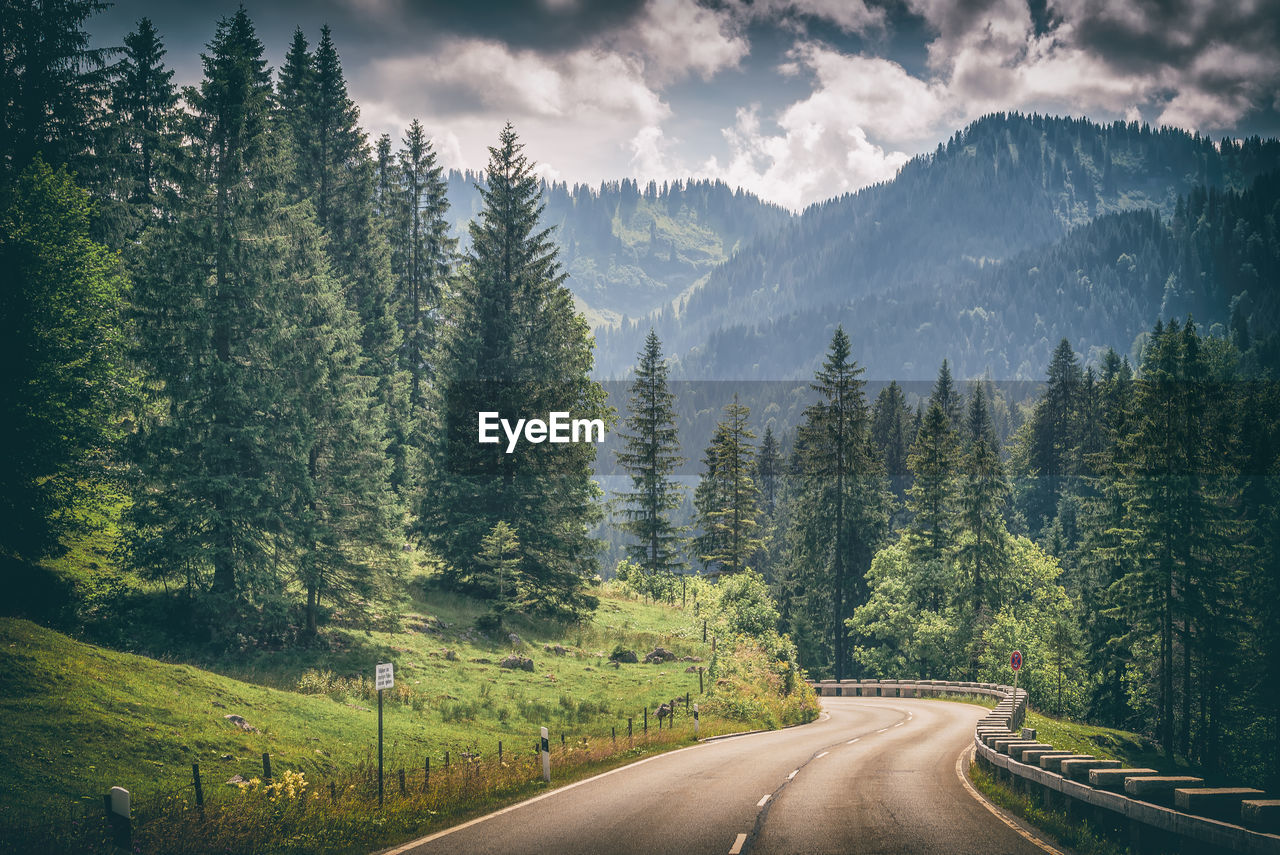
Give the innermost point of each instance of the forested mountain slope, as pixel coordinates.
(632, 249)
(947, 259)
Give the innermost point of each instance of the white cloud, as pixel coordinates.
(815, 156)
(675, 38)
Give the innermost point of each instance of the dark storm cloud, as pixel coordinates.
(1150, 34)
(534, 24)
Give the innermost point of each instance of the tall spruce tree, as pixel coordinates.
(55, 85)
(891, 432)
(947, 396)
(934, 462)
(424, 253)
(1053, 438)
(727, 499)
(982, 549)
(263, 454)
(843, 495)
(513, 344)
(333, 171)
(147, 141)
(650, 455)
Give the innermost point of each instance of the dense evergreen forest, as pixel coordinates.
(254, 342)
(1019, 231)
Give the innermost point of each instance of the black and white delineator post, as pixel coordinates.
(695, 721)
(384, 678)
(546, 756)
(1015, 662)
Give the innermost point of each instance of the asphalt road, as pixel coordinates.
(874, 775)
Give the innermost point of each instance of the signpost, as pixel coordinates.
(384, 678)
(1015, 662)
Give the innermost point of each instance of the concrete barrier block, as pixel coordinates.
(1113, 779)
(1053, 762)
(1078, 770)
(1013, 746)
(1261, 814)
(1028, 733)
(1033, 756)
(989, 739)
(1020, 751)
(1215, 802)
(1159, 788)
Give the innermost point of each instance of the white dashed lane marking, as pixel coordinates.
(736, 848)
(763, 800)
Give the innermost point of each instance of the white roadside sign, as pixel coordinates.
(383, 678)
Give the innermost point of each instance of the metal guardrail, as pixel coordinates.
(1150, 825)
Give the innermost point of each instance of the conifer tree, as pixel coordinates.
(727, 499)
(1053, 438)
(54, 84)
(650, 455)
(263, 454)
(144, 102)
(946, 396)
(332, 169)
(844, 507)
(424, 253)
(768, 472)
(982, 551)
(891, 431)
(513, 344)
(932, 497)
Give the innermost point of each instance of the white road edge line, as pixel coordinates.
(793, 774)
(882, 730)
(996, 812)
(763, 800)
(900, 724)
(851, 741)
(413, 844)
(737, 844)
(823, 754)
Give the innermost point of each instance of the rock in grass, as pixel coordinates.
(620, 655)
(239, 722)
(659, 655)
(515, 662)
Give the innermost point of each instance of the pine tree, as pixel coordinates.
(144, 102)
(513, 344)
(264, 454)
(650, 454)
(54, 85)
(891, 432)
(946, 396)
(726, 498)
(842, 488)
(63, 356)
(932, 497)
(333, 171)
(982, 551)
(1054, 438)
(768, 471)
(425, 252)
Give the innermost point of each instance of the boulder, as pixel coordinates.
(516, 662)
(659, 655)
(239, 722)
(557, 650)
(624, 656)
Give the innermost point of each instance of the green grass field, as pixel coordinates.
(81, 718)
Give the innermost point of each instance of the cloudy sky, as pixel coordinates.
(795, 100)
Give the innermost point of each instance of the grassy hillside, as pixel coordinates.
(99, 717)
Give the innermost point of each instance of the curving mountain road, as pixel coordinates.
(874, 775)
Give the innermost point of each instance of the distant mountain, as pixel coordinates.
(1020, 230)
(632, 250)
